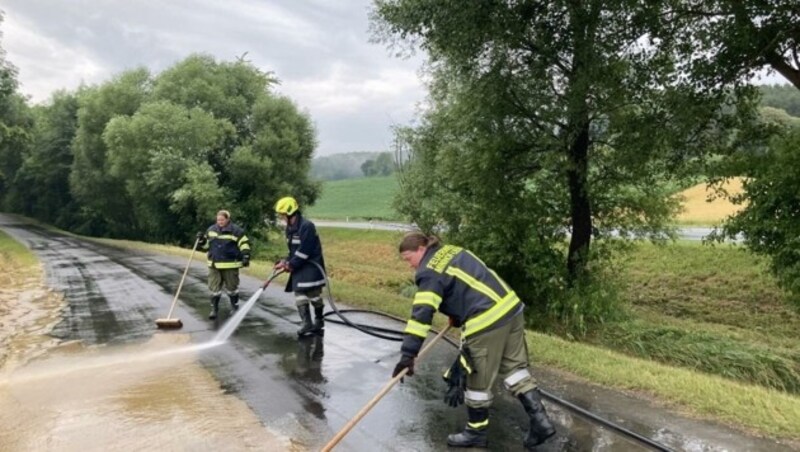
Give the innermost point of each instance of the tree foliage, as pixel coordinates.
(785, 97)
(154, 156)
(340, 166)
(551, 122)
(16, 123)
(43, 179)
(770, 218)
(729, 40)
(382, 165)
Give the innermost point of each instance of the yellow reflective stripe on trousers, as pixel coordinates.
(474, 283)
(428, 298)
(493, 314)
(417, 329)
(478, 425)
(226, 265)
(465, 364)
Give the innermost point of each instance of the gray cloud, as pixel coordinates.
(319, 50)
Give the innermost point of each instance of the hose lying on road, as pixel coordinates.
(397, 335)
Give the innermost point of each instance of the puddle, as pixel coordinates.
(164, 402)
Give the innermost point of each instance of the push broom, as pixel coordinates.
(386, 388)
(169, 322)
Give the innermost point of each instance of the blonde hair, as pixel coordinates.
(413, 240)
(224, 213)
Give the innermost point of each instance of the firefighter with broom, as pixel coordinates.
(228, 250)
(457, 283)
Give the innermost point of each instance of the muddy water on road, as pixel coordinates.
(117, 399)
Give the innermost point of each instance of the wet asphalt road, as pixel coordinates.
(308, 389)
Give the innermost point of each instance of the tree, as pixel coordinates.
(382, 165)
(730, 40)
(786, 97)
(16, 123)
(105, 205)
(770, 218)
(276, 161)
(151, 153)
(551, 121)
(156, 156)
(340, 166)
(44, 176)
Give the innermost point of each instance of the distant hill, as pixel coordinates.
(340, 166)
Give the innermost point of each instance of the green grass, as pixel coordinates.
(15, 254)
(752, 407)
(17, 264)
(364, 198)
(706, 331)
(714, 309)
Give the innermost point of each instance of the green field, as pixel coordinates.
(364, 198)
(371, 198)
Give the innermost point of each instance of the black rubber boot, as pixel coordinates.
(541, 428)
(305, 317)
(474, 435)
(319, 320)
(234, 302)
(214, 307)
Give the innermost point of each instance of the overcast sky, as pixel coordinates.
(319, 49)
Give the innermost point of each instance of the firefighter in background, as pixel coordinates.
(228, 251)
(306, 280)
(457, 283)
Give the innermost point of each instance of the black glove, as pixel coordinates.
(456, 379)
(406, 362)
(201, 238)
(246, 260)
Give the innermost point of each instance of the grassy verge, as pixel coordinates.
(707, 327)
(714, 309)
(16, 261)
(766, 411)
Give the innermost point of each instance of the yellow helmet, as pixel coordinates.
(286, 206)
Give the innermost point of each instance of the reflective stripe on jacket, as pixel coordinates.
(226, 246)
(457, 283)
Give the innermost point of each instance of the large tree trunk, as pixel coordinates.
(583, 22)
(779, 63)
(580, 207)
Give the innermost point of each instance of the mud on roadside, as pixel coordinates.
(28, 312)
